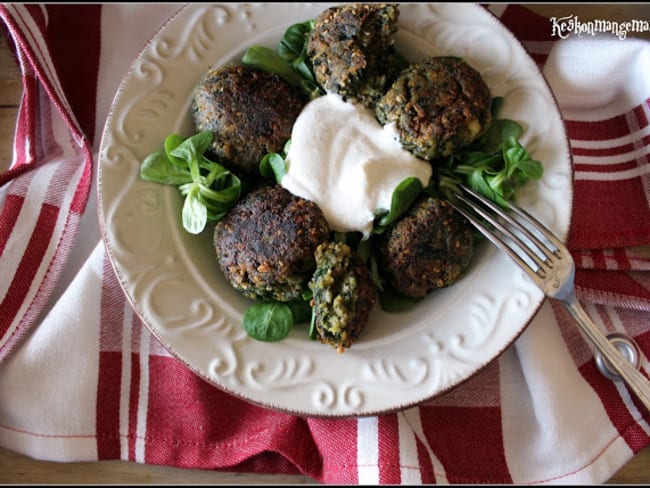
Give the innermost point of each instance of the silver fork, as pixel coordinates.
(549, 264)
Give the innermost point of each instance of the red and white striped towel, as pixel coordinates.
(82, 379)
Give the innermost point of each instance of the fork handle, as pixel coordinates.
(632, 376)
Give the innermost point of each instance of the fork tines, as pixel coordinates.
(524, 238)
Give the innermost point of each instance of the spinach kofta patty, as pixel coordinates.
(343, 295)
(429, 247)
(250, 112)
(352, 50)
(439, 105)
(265, 244)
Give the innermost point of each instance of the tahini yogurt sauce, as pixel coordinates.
(346, 162)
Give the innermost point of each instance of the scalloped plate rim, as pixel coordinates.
(290, 388)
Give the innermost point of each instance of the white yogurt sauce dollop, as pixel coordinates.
(346, 162)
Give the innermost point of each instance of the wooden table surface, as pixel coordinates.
(18, 469)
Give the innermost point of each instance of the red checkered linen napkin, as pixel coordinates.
(81, 379)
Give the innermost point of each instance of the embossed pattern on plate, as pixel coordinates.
(175, 286)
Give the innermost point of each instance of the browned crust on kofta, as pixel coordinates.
(430, 247)
(439, 105)
(352, 50)
(265, 244)
(251, 112)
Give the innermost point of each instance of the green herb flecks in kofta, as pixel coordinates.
(251, 113)
(343, 295)
(352, 50)
(430, 247)
(440, 106)
(265, 244)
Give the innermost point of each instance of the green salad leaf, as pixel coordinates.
(403, 196)
(495, 166)
(267, 59)
(268, 321)
(293, 44)
(272, 321)
(274, 165)
(209, 188)
(289, 60)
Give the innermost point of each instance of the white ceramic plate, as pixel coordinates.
(172, 278)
